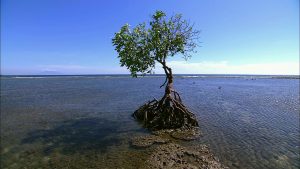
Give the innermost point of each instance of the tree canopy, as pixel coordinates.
(139, 48)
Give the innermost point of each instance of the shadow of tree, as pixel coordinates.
(77, 136)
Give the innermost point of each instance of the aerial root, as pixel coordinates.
(167, 113)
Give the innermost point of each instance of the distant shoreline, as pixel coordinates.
(160, 75)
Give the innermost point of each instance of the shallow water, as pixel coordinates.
(85, 122)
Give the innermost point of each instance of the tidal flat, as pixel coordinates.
(85, 121)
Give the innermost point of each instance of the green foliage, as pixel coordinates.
(139, 48)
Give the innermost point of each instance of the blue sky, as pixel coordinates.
(74, 36)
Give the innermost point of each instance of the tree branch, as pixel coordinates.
(164, 82)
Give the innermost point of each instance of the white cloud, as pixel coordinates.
(223, 67)
(178, 67)
(79, 69)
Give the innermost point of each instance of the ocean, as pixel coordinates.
(248, 121)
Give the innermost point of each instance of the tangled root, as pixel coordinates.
(168, 113)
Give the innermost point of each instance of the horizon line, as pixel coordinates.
(147, 74)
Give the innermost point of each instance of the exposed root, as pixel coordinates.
(167, 113)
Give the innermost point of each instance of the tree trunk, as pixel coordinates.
(167, 113)
(169, 86)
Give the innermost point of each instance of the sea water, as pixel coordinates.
(85, 121)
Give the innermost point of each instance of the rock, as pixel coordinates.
(187, 135)
(174, 156)
(163, 133)
(147, 141)
(169, 155)
(182, 134)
